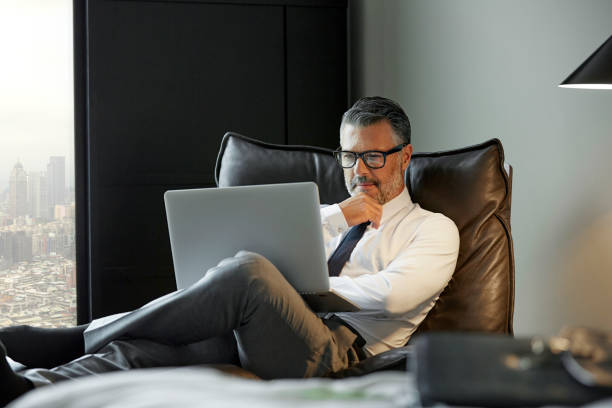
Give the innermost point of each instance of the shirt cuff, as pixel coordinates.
(333, 217)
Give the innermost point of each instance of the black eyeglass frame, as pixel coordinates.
(361, 155)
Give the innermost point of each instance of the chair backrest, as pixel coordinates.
(472, 186)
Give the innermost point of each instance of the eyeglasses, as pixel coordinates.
(374, 159)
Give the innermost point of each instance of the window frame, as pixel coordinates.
(81, 165)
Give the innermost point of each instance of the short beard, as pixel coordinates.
(385, 192)
(389, 191)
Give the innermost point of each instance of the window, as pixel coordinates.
(37, 210)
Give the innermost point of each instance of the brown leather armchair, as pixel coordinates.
(472, 186)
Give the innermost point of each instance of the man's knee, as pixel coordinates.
(245, 267)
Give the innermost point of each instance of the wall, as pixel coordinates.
(470, 70)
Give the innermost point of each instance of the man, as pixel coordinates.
(243, 311)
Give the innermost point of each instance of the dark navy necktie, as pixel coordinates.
(343, 252)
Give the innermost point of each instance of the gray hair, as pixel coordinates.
(373, 109)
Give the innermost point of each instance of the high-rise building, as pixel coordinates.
(64, 211)
(52, 243)
(6, 247)
(22, 246)
(5, 220)
(39, 244)
(18, 191)
(4, 195)
(56, 182)
(37, 195)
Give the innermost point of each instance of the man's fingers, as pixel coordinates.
(375, 221)
(374, 213)
(370, 210)
(362, 208)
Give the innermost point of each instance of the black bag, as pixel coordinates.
(501, 371)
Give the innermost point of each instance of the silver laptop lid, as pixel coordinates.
(279, 221)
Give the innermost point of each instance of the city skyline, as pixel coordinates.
(37, 265)
(37, 249)
(37, 83)
(5, 170)
(36, 193)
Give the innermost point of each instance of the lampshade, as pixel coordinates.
(595, 72)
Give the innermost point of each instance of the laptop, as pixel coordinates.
(282, 222)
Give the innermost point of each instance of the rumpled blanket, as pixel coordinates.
(206, 387)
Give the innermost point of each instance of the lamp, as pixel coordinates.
(595, 72)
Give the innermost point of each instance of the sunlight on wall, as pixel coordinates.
(585, 276)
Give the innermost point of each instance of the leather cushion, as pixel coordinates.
(245, 161)
(471, 187)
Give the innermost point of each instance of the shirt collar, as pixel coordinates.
(398, 203)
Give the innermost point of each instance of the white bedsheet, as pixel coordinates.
(204, 387)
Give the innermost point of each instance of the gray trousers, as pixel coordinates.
(242, 311)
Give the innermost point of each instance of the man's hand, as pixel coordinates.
(361, 208)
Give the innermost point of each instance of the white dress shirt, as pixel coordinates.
(395, 273)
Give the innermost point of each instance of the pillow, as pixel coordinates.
(245, 161)
(472, 187)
